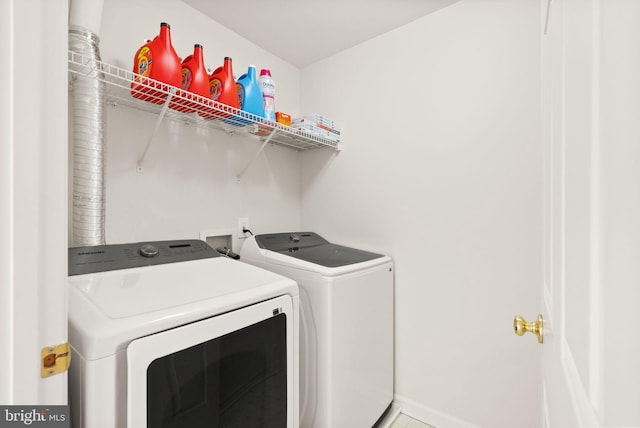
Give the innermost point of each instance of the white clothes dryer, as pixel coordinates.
(171, 334)
(346, 318)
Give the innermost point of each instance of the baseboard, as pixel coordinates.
(430, 416)
(392, 413)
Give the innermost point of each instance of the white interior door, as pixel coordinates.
(591, 136)
(33, 191)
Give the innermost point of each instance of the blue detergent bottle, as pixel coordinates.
(249, 93)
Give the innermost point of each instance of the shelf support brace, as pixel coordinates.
(255, 156)
(172, 91)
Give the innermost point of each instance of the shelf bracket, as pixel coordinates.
(172, 91)
(255, 156)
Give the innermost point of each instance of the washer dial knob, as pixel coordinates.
(294, 237)
(148, 250)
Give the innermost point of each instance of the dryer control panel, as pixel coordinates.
(102, 258)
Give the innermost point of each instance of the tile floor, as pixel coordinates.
(404, 421)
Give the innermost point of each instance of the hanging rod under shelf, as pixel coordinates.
(125, 88)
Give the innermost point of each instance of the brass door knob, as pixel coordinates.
(521, 327)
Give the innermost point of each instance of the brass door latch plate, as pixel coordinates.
(55, 360)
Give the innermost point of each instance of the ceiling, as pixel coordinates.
(302, 32)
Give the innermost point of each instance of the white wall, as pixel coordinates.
(189, 180)
(441, 168)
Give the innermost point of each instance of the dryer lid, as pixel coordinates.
(108, 309)
(313, 248)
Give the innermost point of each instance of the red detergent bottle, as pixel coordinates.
(222, 88)
(195, 82)
(156, 60)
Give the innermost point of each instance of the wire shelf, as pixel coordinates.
(125, 88)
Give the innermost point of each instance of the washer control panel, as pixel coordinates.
(311, 247)
(102, 258)
(287, 241)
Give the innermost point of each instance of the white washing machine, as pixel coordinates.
(171, 334)
(346, 339)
